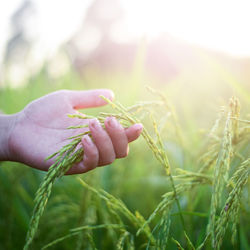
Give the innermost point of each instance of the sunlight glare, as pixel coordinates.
(220, 25)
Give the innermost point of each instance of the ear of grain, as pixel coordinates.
(120, 208)
(162, 230)
(235, 107)
(230, 211)
(220, 150)
(158, 151)
(221, 172)
(122, 240)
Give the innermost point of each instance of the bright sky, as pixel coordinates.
(54, 22)
(218, 24)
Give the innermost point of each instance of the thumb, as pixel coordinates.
(89, 98)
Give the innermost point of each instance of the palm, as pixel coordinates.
(43, 129)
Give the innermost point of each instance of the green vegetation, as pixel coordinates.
(181, 187)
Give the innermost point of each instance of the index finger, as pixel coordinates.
(89, 98)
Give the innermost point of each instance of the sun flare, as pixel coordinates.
(220, 25)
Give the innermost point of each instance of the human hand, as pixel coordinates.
(40, 130)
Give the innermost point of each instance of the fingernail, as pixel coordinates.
(138, 127)
(87, 140)
(112, 122)
(95, 124)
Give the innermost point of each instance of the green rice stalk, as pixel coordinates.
(169, 198)
(159, 152)
(209, 162)
(140, 106)
(87, 227)
(189, 243)
(188, 175)
(167, 168)
(87, 217)
(54, 242)
(79, 126)
(131, 243)
(202, 245)
(217, 123)
(221, 173)
(63, 163)
(177, 244)
(163, 228)
(232, 204)
(240, 120)
(119, 206)
(121, 242)
(80, 116)
(211, 144)
(232, 136)
(78, 230)
(113, 213)
(235, 107)
(171, 109)
(91, 242)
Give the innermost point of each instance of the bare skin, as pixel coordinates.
(39, 130)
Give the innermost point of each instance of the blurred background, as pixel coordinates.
(191, 47)
(195, 52)
(171, 38)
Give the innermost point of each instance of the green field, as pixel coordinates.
(194, 180)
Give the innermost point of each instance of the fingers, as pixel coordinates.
(118, 137)
(91, 154)
(110, 143)
(133, 132)
(89, 98)
(103, 143)
(90, 158)
(113, 142)
(106, 144)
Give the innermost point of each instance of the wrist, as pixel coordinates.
(7, 123)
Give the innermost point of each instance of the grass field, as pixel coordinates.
(184, 185)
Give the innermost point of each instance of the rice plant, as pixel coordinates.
(220, 165)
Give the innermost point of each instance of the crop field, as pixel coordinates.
(184, 184)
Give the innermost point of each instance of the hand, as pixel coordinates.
(40, 130)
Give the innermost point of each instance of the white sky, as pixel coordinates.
(218, 24)
(55, 21)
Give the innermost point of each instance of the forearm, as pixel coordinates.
(6, 125)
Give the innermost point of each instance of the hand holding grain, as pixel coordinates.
(40, 130)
